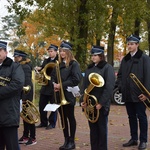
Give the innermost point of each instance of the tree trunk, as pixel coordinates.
(148, 28)
(137, 27)
(111, 37)
(82, 36)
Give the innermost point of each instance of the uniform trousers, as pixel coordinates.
(99, 131)
(9, 138)
(137, 112)
(67, 112)
(29, 128)
(44, 100)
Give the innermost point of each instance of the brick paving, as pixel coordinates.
(118, 132)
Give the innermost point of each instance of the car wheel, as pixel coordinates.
(117, 97)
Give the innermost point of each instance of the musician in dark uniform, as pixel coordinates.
(70, 75)
(47, 93)
(11, 84)
(138, 63)
(29, 135)
(98, 129)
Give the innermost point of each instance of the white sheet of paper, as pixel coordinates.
(20, 105)
(51, 107)
(75, 90)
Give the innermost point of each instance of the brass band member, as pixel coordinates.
(70, 76)
(47, 92)
(98, 130)
(29, 135)
(11, 84)
(138, 63)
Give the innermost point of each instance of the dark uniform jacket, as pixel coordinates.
(48, 89)
(27, 68)
(10, 94)
(70, 77)
(104, 93)
(139, 64)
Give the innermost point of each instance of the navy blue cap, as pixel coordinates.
(19, 53)
(66, 45)
(3, 45)
(133, 39)
(53, 46)
(97, 50)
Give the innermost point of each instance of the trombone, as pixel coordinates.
(142, 89)
(63, 101)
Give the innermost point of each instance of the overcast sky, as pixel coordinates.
(4, 12)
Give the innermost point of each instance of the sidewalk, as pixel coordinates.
(118, 132)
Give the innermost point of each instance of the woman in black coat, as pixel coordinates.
(70, 76)
(98, 129)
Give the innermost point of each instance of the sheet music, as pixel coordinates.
(51, 107)
(75, 91)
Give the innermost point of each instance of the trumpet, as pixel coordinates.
(142, 89)
(90, 111)
(26, 89)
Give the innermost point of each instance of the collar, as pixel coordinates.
(137, 55)
(100, 65)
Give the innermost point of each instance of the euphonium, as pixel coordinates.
(90, 110)
(44, 75)
(29, 113)
(142, 89)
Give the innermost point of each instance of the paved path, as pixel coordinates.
(118, 132)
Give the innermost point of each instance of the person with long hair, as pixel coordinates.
(99, 128)
(70, 76)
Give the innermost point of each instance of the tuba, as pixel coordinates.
(44, 75)
(142, 89)
(90, 111)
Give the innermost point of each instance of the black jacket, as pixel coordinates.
(104, 93)
(10, 94)
(139, 65)
(48, 89)
(70, 76)
(27, 68)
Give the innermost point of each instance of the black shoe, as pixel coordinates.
(41, 126)
(142, 146)
(49, 127)
(70, 145)
(63, 147)
(130, 143)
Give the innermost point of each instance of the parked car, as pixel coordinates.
(117, 97)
